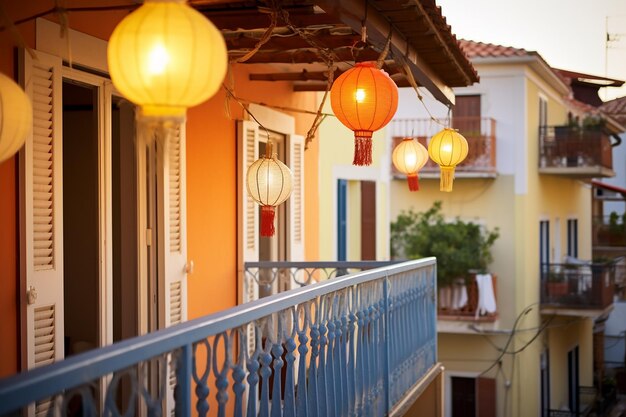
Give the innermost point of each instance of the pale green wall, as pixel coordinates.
(336, 151)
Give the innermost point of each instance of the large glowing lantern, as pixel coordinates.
(16, 117)
(165, 56)
(448, 148)
(269, 183)
(364, 99)
(409, 157)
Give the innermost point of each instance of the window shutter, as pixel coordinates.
(175, 227)
(175, 241)
(295, 203)
(295, 207)
(486, 397)
(247, 216)
(248, 213)
(42, 205)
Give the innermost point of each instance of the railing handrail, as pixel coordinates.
(24, 388)
(319, 264)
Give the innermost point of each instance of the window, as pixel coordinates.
(342, 232)
(544, 242)
(572, 238)
(473, 397)
(543, 111)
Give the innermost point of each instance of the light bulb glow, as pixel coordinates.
(359, 95)
(446, 147)
(158, 58)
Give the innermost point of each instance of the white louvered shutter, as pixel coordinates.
(175, 228)
(42, 200)
(175, 241)
(295, 203)
(248, 215)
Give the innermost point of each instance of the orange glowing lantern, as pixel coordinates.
(409, 157)
(448, 148)
(269, 183)
(364, 99)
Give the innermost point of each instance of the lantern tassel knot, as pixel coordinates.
(413, 181)
(267, 221)
(362, 148)
(447, 178)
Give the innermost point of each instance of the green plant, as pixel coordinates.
(459, 246)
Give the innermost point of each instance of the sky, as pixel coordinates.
(568, 34)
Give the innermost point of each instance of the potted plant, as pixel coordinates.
(458, 246)
(556, 284)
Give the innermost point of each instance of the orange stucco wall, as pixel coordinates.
(211, 183)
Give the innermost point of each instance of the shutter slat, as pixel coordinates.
(175, 192)
(44, 332)
(250, 205)
(43, 172)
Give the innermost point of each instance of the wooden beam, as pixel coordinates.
(351, 12)
(303, 56)
(400, 81)
(286, 40)
(306, 75)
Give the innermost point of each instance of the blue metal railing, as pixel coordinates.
(354, 345)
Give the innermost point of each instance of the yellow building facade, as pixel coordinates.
(530, 353)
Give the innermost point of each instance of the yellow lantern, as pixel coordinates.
(16, 117)
(448, 148)
(165, 56)
(409, 157)
(269, 183)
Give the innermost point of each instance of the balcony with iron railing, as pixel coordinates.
(471, 307)
(575, 151)
(587, 400)
(480, 133)
(609, 231)
(358, 344)
(578, 287)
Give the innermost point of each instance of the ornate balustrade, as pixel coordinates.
(480, 133)
(360, 344)
(589, 286)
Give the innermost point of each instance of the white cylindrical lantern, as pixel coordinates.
(409, 157)
(269, 183)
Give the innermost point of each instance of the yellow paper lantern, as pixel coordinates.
(269, 183)
(448, 148)
(409, 157)
(16, 117)
(165, 57)
(364, 99)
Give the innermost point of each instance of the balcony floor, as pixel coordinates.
(579, 172)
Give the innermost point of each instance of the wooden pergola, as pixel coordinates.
(420, 41)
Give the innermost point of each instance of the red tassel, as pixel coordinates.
(362, 148)
(413, 180)
(267, 221)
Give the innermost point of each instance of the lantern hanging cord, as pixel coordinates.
(56, 10)
(326, 54)
(404, 68)
(245, 108)
(383, 54)
(319, 117)
(266, 37)
(243, 102)
(364, 24)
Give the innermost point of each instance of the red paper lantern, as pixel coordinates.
(409, 157)
(269, 183)
(364, 99)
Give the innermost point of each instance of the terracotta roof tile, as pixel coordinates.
(483, 50)
(616, 108)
